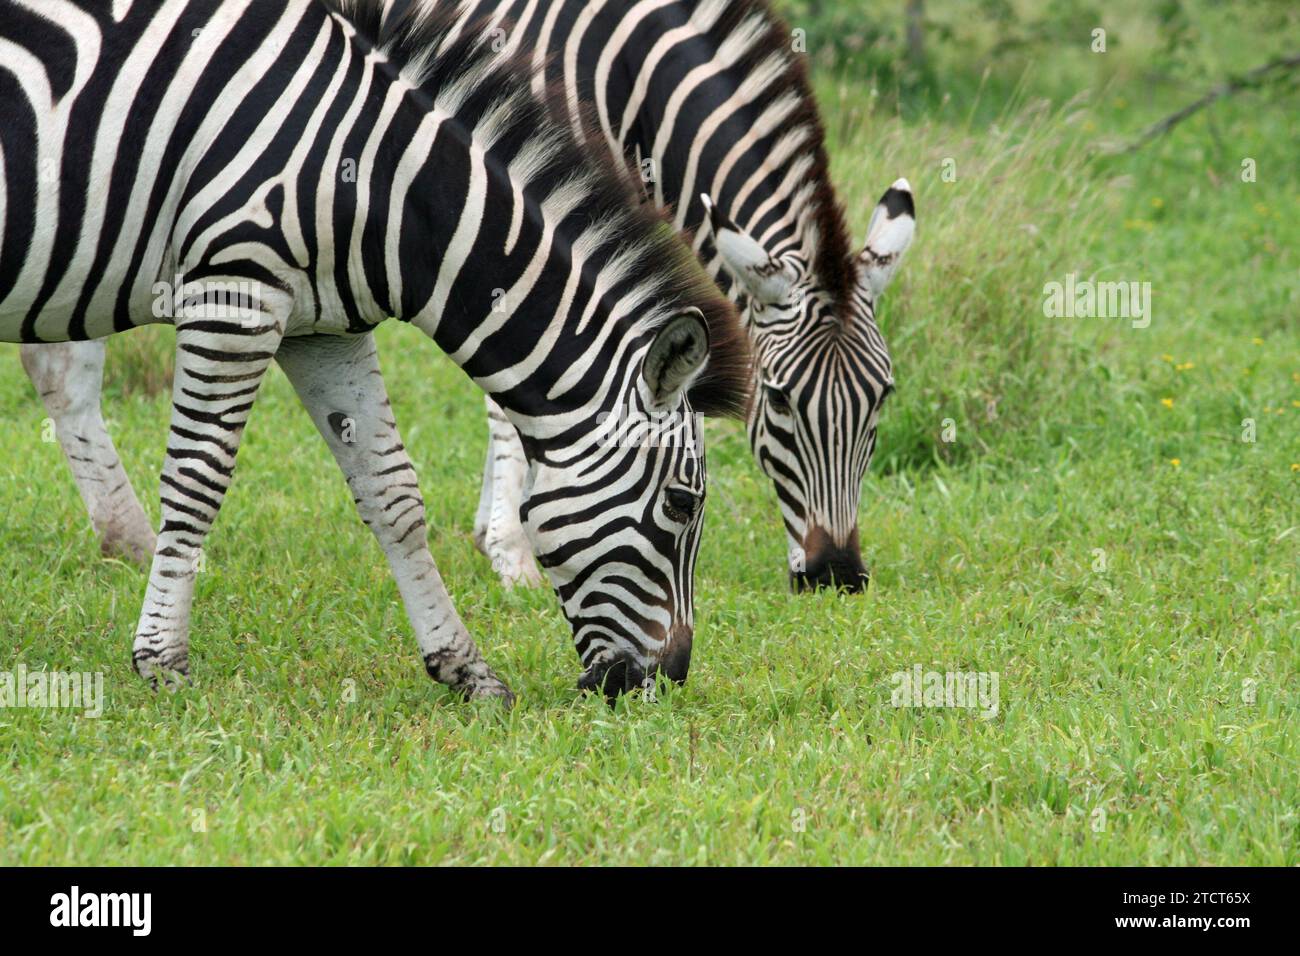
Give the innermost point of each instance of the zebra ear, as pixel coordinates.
(675, 358)
(888, 236)
(765, 278)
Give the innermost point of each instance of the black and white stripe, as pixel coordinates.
(268, 147)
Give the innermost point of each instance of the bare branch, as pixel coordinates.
(1246, 81)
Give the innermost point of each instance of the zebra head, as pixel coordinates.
(614, 514)
(822, 371)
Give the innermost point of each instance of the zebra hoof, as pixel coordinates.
(515, 570)
(473, 680)
(490, 688)
(171, 676)
(135, 547)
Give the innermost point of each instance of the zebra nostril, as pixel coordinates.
(839, 568)
(677, 661)
(612, 677)
(853, 583)
(620, 675)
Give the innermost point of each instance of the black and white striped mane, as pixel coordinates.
(489, 91)
(833, 259)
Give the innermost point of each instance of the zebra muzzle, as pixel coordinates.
(612, 677)
(828, 565)
(621, 674)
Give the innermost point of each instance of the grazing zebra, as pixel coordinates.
(712, 108)
(260, 175)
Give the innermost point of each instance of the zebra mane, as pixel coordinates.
(769, 53)
(490, 93)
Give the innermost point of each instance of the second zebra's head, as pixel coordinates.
(822, 371)
(613, 507)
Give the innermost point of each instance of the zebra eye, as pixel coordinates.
(680, 504)
(776, 398)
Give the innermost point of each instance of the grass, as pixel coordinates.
(1143, 615)
(1006, 205)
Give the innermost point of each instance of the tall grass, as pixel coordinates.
(1001, 210)
(141, 362)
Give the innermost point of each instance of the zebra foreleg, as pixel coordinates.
(502, 536)
(483, 515)
(339, 381)
(69, 376)
(220, 363)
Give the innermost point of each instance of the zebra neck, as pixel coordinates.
(515, 247)
(510, 285)
(704, 97)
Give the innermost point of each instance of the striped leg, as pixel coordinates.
(339, 382)
(483, 516)
(498, 532)
(68, 376)
(219, 367)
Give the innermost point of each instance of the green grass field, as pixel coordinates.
(1097, 533)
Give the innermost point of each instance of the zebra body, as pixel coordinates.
(703, 99)
(288, 186)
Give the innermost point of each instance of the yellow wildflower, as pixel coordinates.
(1167, 402)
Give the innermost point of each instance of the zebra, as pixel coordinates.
(289, 184)
(711, 106)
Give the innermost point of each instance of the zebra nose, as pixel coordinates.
(677, 660)
(833, 568)
(612, 677)
(621, 674)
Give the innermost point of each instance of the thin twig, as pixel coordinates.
(1226, 88)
